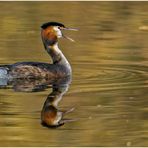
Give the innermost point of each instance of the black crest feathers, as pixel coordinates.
(45, 25)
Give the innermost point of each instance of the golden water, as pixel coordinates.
(109, 59)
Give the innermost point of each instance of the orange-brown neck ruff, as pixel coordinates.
(49, 36)
(49, 114)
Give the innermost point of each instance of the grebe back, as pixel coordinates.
(50, 32)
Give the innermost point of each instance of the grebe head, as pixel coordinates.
(52, 117)
(51, 31)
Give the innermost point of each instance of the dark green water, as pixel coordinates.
(110, 73)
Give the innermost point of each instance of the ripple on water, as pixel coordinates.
(109, 77)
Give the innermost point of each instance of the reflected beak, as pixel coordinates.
(63, 121)
(66, 37)
(69, 110)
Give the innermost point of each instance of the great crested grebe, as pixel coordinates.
(50, 32)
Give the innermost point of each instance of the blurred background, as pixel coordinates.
(110, 73)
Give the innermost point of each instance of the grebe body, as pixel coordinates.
(50, 32)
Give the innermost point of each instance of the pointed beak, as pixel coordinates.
(66, 37)
(73, 29)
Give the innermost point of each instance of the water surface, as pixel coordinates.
(110, 74)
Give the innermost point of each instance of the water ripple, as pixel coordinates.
(108, 77)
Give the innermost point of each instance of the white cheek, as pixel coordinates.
(58, 31)
(58, 118)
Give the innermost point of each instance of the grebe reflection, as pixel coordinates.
(51, 115)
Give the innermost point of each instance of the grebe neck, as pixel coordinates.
(57, 56)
